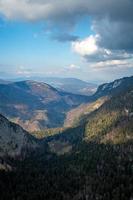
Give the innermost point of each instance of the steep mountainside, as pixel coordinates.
(112, 122)
(35, 105)
(14, 141)
(76, 115)
(114, 87)
(103, 93)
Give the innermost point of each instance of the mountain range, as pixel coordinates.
(36, 105)
(90, 158)
(70, 85)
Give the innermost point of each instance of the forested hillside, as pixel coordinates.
(91, 161)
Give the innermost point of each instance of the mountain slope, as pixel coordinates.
(35, 105)
(103, 93)
(104, 121)
(112, 122)
(76, 115)
(14, 141)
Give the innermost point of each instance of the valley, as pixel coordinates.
(89, 158)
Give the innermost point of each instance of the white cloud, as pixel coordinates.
(86, 46)
(110, 18)
(114, 63)
(90, 49)
(73, 67)
(23, 71)
(25, 10)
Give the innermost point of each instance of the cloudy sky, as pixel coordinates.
(87, 39)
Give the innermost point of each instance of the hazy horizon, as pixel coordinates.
(9, 77)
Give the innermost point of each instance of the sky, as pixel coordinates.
(87, 39)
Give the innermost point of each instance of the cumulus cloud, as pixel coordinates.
(99, 57)
(86, 46)
(90, 50)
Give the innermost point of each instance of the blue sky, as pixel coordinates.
(69, 45)
(27, 46)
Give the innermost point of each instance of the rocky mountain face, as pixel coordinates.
(35, 105)
(14, 141)
(114, 87)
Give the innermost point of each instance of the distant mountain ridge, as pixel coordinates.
(36, 105)
(2, 81)
(70, 85)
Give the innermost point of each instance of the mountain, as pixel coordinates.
(92, 160)
(35, 105)
(75, 115)
(14, 141)
(103, 93)
(70, 85)
(106, 120)
(114, 87)
(112, 122)
(4, 81)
